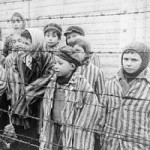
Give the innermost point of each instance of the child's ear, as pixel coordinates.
(73, 67)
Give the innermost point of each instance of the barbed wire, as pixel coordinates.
(15, 1)
(81, 15)
(92, 52)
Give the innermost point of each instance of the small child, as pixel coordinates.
(125, 109)
(16, 49)
(74, 31)
(52, 34)
(18, 24)
(27, 80)
(70, 106)
(93, 74)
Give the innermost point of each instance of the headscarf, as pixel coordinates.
(37, 41)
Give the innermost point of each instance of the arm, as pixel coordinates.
(38, 87)
(2, 80)
(7, 46)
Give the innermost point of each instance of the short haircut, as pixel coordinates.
(82, 42)
(26, 35)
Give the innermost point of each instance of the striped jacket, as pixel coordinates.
(125, 114)
(79, 115)
(3, 79)
(94, 76)
(95, 59)
(23, 88)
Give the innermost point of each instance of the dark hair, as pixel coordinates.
(82, 42)
(26, 34)
(16, 14)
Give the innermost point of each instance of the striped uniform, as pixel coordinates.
(94, 76)
(3, 78)
(125, 114)
(95, 59)
(22, 93)
(79, 115)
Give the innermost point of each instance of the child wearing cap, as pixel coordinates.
(125, 107)
(70, 106)
(52, 36)
(74, 31)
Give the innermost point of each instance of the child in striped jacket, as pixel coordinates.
(74, 31)
(70, 106)
(125, 108)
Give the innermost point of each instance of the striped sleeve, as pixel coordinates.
(2, 80)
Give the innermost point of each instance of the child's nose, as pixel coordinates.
(129, 63)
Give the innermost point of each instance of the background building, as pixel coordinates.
(109, 24)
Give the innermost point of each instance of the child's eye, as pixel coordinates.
(126, 59)
(19, 40)
(134, 60)
(13, 41)
(54, 35)
(18, 21)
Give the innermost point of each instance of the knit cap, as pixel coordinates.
(53, 26)
(74, 29)
(142, 50)
(69, 54)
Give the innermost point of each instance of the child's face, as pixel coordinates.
(70, 36)
(80, 51)
(131, 62)
(16, 42)
(51, 38)
(62, 67)
(17, 23)
(26, 44)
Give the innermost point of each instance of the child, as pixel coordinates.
(18, 24)
(27, 80)
(70, 106)
(74, 31)
(16, 49)
(52, 34)
(4, 120)
(93, 74)
(124, 112)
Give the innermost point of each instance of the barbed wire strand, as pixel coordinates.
(65, 16)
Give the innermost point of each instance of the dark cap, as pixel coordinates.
(76, 29)
(53, 26)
